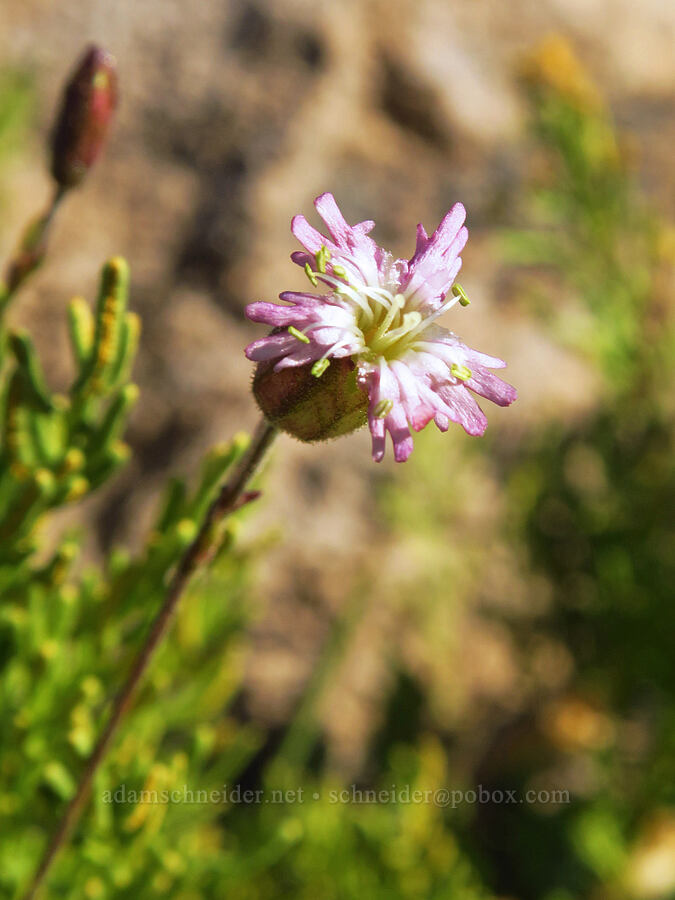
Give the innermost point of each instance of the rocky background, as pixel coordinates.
(234, 115)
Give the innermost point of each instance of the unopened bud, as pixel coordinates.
(87, 108)
(311, 407)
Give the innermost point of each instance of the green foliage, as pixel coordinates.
(588, 508)
(339, 842)
(66, 640)
(68, 634)
(63, 655)
(56, 449)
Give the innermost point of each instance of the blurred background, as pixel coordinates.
(496, 612)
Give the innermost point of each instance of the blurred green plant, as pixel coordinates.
(597, 510)
(16, 105)
(589, 508)
(592, 227)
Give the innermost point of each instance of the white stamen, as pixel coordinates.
(347, 290)
(411, 321)
(397, 304)
(443, 308)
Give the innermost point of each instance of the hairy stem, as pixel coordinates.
(231, 496)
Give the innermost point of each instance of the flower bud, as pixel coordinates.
(311, 408)
(87, 107)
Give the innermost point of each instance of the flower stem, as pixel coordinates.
(232, 496)
(31, 251)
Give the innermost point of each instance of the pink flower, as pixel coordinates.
(382, 313)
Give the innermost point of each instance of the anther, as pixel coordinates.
(461, 372)
(320, 367)
(321, 257)
(310, 274)
(298, 334)
(383, 408)
(459, 292)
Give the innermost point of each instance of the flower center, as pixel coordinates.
(382, 323)
(386, 326)
(381, 320)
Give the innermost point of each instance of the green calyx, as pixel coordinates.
(312, 403)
